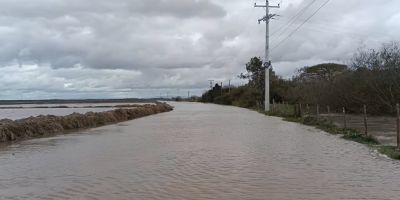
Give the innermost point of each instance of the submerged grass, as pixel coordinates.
(327, 126)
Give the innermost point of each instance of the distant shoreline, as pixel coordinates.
(71, 101)
(5, 107)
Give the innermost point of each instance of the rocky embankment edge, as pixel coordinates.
(50, 125)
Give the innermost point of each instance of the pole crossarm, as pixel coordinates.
(264, 6)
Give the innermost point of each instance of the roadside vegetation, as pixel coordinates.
(371, 78)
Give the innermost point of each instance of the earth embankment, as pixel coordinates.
(49, 125)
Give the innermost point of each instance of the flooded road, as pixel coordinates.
(197, 151)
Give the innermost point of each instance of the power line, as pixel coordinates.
(293, 19)
(301, 25)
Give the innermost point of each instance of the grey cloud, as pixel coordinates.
(179, 8)
(104, 42)
(128, 46)
(57, 8)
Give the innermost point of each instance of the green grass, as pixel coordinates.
(390, 151)
(282, 110)
(356, 136)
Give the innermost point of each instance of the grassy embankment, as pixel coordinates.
(51, 125)
(288, 113)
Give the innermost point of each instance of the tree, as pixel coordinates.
(211, 95)
(256, 76)
(322, 72)
(317, 84)
(380, 70)
(255, 73)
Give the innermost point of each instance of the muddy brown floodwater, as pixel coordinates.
(197, 151)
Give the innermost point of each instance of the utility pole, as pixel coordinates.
(267, 62)
(229, 86)
(211, 84)
(221, 88)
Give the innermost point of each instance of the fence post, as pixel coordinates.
(398, 125)
(300, 111)
(318, 112)
(365, 120)
(273, 105)
(344, 118)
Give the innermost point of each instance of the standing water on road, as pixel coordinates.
(198, 151)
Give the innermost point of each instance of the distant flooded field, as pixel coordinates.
(21, 111)
(70, 105)
(18, 113)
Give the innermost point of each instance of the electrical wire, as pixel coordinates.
(301, 25)
(293, 19)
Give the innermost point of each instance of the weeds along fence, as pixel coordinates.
(385, 129)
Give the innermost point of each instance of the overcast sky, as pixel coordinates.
(144, 48)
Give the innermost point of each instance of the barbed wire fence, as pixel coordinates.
(383, 128)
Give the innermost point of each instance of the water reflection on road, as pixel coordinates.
(198, 151)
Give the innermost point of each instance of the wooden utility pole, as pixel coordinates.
(229, 86)
(300, 111)
(221, 89)
(398, 125)
(365, 120)
(344, 118)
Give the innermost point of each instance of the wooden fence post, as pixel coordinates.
(365, 120)
(300, 111)
(398, 125)
(344, 118)
(274, 104)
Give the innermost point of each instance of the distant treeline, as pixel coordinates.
(372, 78)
